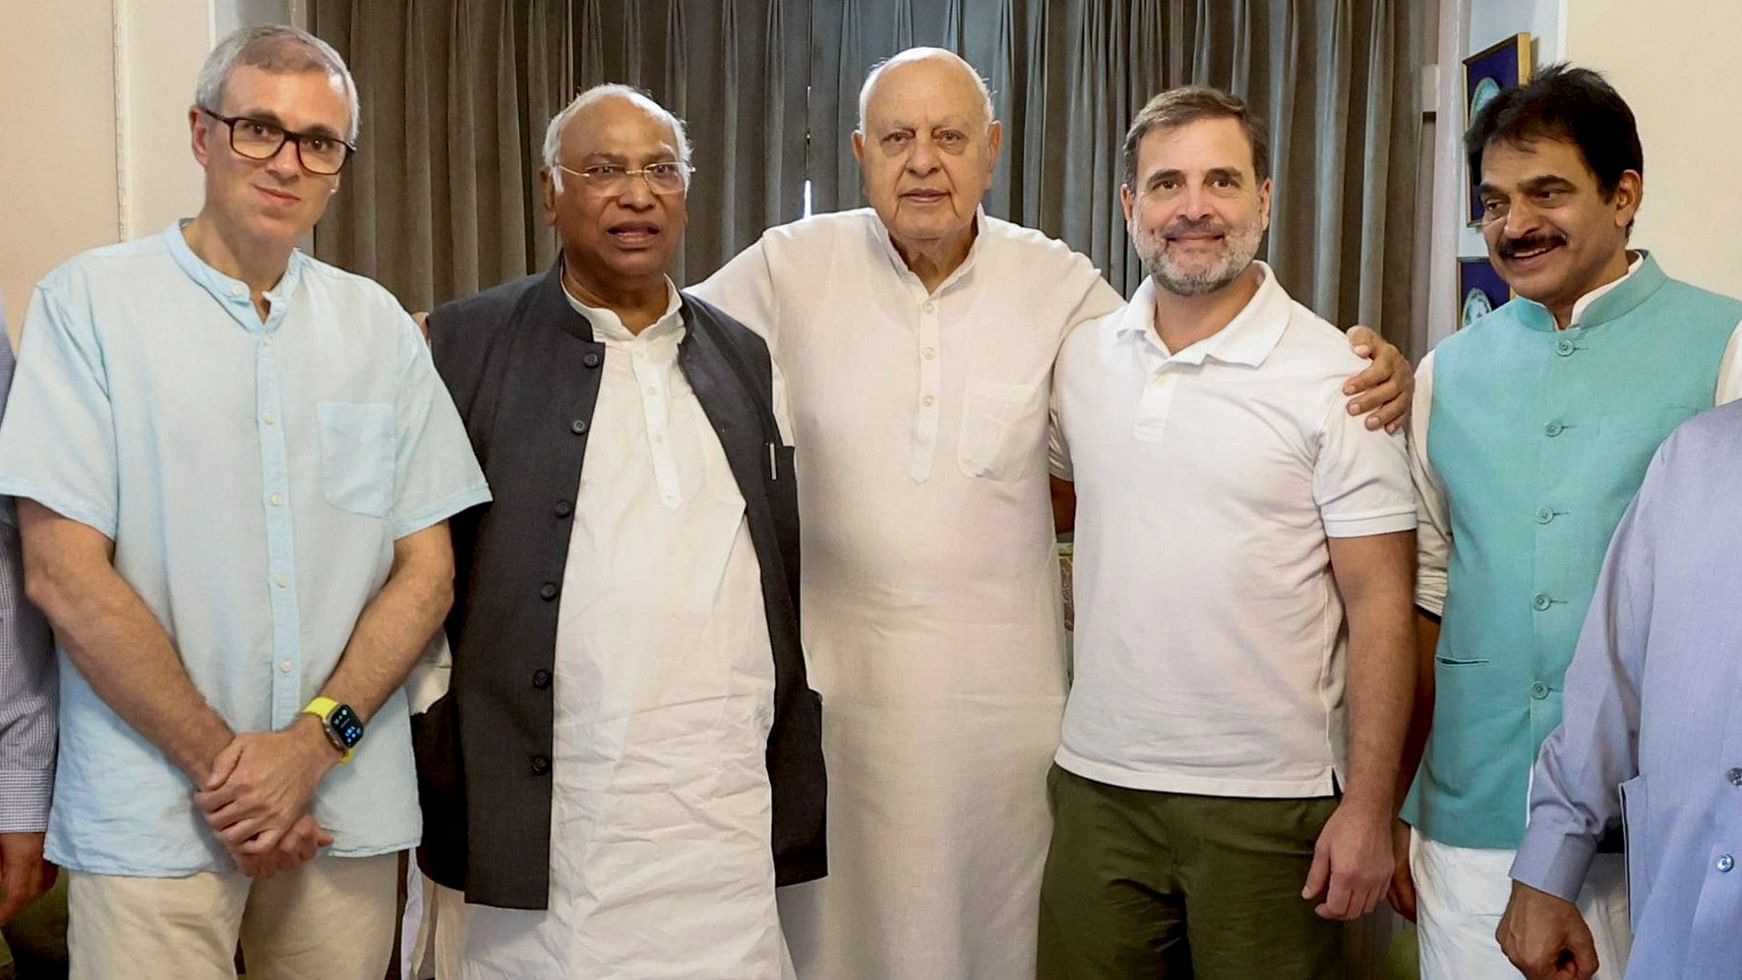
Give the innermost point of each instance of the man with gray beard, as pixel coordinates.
(1228, 773)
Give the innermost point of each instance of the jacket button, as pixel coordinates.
(564, 508)
(590, 359)
(1564, 348)
(1540, 602)
(1735, 776)
(1554, 429)
(1725, 863)
(1539, 690)
(578, 427)
(547, 591)
(540, 765)
(541, 679)
(1544, 515)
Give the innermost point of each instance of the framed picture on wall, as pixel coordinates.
(1480, 290)
(1486, 74)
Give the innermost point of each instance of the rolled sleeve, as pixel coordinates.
(437, 474)
(57, 443)
(1361, 478)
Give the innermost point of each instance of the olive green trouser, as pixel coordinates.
(1148, 884)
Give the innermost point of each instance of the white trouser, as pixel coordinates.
(1461, 893)
(330, 919)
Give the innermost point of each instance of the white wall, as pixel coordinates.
(1675, 64)
(95, 116)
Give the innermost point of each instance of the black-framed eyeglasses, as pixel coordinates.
(257, 139)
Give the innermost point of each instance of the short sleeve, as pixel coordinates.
(57, 442)
(744, 289)
(436, 474)
(1361, 478)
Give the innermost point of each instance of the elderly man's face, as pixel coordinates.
(624, 235)
(927, 151)
(273, 200)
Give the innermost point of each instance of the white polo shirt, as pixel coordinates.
(1209, 633)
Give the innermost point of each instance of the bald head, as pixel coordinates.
(941, 72)
(598, 95)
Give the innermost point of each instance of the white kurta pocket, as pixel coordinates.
(1000, 434)
(357, 449)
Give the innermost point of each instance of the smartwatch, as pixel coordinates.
(344, 729)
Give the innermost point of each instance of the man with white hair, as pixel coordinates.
(918, 338)
(233, 466)
(628, 758)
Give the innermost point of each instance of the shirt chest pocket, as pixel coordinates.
(1002, 432)
(357, 452)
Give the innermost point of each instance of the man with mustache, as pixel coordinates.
(918, 338)
(628, 759)
(1532, 430)
(234, 466)
(1228, 772)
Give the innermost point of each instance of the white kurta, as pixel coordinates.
(931, 607)
(664, 686)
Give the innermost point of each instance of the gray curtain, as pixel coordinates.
(443, 199)
(1334, 79)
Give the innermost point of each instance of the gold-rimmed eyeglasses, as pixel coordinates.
(671, 177)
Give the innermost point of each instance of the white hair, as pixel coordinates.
(553, 134)
(910, 56)
(277, 48)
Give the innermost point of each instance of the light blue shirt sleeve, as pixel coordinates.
(436, 473)
(57, 444)
(1575, 789)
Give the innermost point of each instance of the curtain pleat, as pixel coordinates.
(443, 198)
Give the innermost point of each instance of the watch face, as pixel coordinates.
(345, 724)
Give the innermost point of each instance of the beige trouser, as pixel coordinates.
(331, 919)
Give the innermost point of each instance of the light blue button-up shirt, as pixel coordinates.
(254, 477)
(1652, 723)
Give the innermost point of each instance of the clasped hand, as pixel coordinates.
(258, 795)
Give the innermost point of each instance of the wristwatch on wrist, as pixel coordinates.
(342, 726)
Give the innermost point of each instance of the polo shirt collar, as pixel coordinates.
(1248, 339)
(234, 294)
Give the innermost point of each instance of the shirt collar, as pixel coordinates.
(900, 264)
(234, 293)
(1248, 339)
(608, 326)
(1584, 302)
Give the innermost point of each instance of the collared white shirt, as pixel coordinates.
(661, 863)
(1433, 539)
(1209, 632)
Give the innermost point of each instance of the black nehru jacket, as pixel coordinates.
(524, 370)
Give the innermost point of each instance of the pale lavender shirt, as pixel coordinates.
(1652, 730)
(27, 673)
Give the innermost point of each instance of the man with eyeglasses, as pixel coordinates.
(234, 465)
(628, 759)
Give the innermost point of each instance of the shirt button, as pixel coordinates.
(547, 591)
(1564, 347)
(286, 666)
(591, 359)
(540, 765)
(564, 508)
(931, 353)
(283, 581)
(928, 401)
(270, 419)
(578, 427)
(1735, 776)
(1544, 515)
(659, 437)
(541, 679)
(1540, 602)
(1539, 690)
(929, 307)
(1553, 429)
(277, 499)
(1725, 863)
(651, 390)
